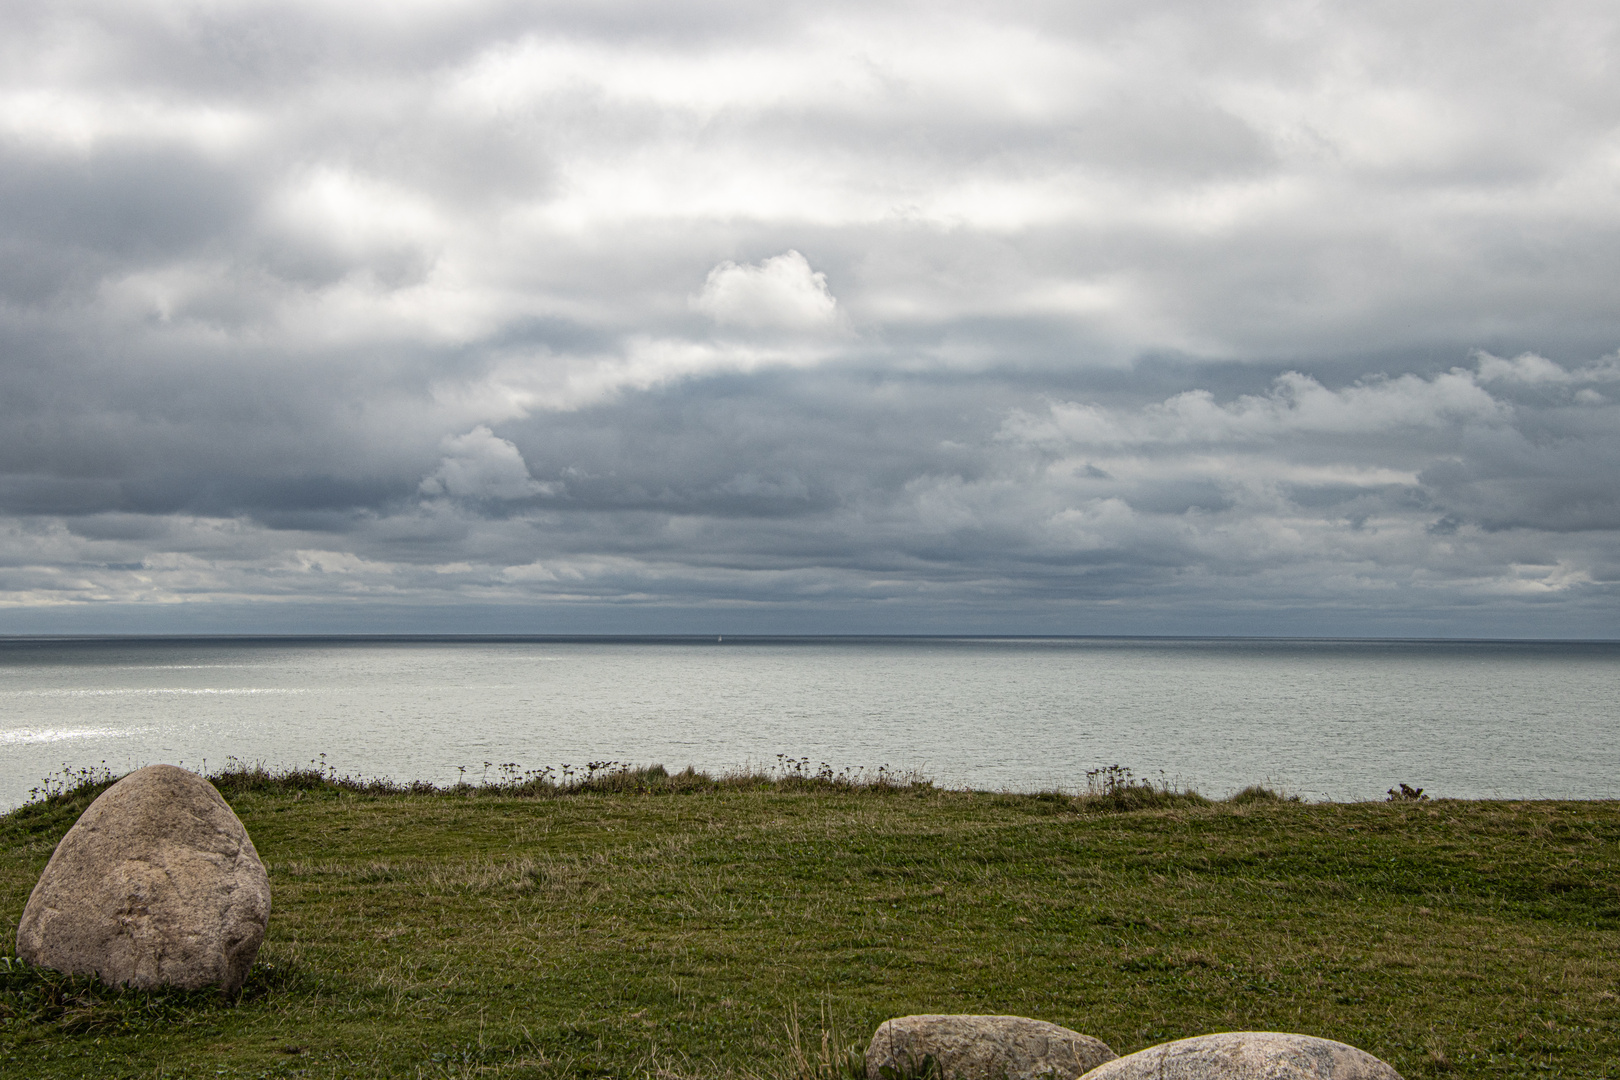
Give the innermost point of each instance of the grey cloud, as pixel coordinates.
(130, 202)
(1090, 309)
(71, 221)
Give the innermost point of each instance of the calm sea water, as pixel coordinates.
(1323, 719)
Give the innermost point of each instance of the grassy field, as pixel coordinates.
(675, 927)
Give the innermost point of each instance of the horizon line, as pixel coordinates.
(721, 637)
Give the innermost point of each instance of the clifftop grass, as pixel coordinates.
(640, 923)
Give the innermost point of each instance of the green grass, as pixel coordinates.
(666, 927)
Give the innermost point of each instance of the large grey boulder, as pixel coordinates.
(156, 884)
(1247, 1055)
(968, 1047)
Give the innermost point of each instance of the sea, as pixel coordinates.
(1321, 719)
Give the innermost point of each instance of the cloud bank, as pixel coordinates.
(833, 318)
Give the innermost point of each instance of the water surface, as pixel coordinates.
(1323, 719)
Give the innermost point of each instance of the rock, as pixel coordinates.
(1247, 1055)
(156, 884)
(982, 1048)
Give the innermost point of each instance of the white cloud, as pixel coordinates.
(1296, 405)
(781, 292)
(335, 562)
(1531, 369)
(354, 220)
(79, 122)
(480, 465)
(1524, 368)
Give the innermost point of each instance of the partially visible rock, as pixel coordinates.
(970, 1047)
(156, 884)
(1247, 1055)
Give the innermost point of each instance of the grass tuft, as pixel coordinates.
(594, 778)
(1115, 789)
(829, 1056)
(1254, 793)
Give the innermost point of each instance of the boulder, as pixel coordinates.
(156, 884)
(982, 1048)
(1247, 1055)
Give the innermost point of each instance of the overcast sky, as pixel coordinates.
(1077, 317)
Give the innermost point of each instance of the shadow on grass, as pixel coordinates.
(80, 1004)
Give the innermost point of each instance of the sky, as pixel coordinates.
(1248, 318)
